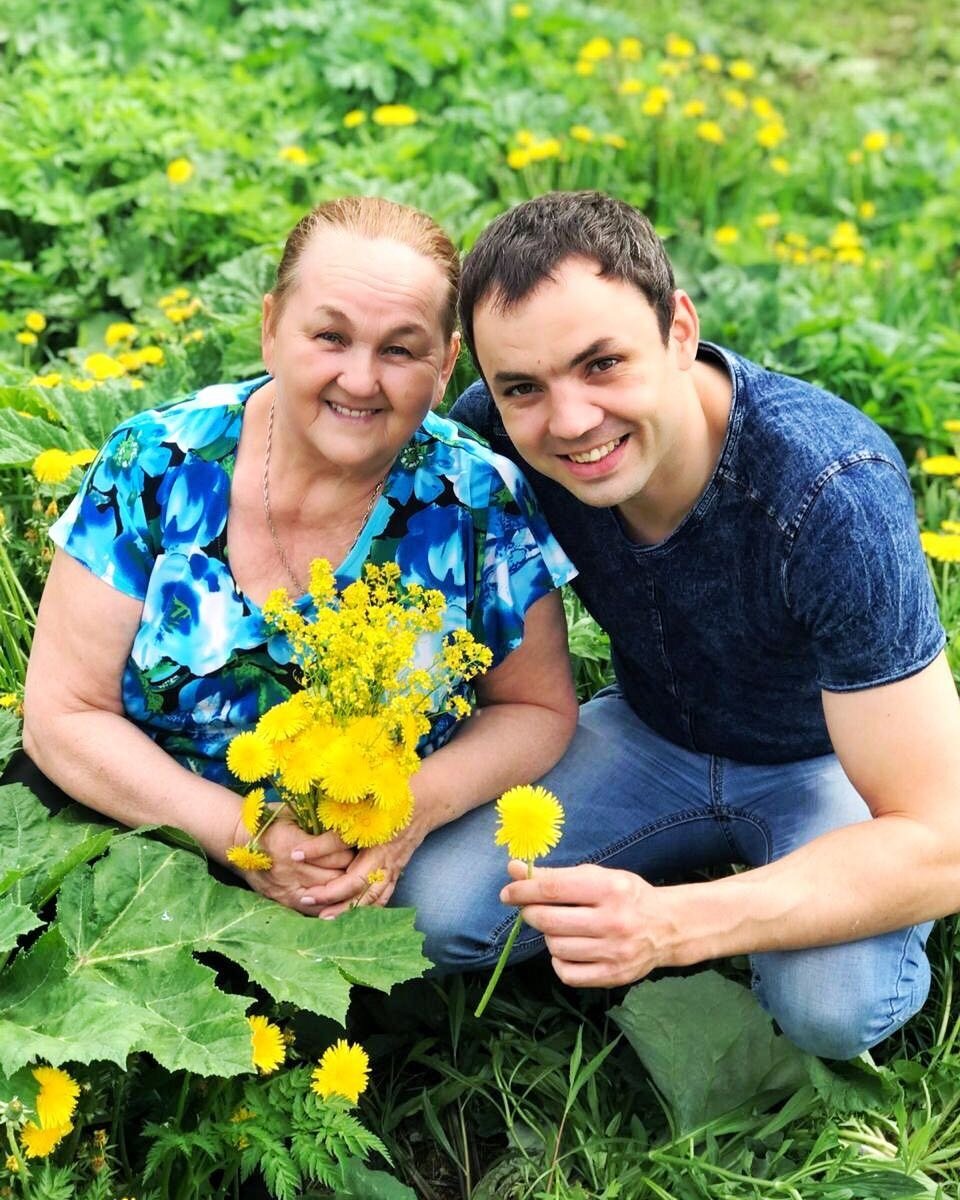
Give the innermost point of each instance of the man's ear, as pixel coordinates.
(267, 335)
(446, 370)
(684, 330)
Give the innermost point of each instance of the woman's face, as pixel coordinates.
(357, 352)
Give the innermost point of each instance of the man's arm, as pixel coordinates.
(900, 747)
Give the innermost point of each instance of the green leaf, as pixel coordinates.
(852, 1087)
(708, 1046)
(15, 920)
(9, 736)
(362, 1183)
(23, 438)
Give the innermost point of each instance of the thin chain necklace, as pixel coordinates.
(268, 513)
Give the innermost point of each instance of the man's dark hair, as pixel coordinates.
(525, 245)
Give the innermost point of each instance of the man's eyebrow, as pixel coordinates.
(597, 347)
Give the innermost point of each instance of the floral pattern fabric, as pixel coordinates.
(150, 519)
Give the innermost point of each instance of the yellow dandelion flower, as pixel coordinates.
(741, 70)
(735, 98)
(136, 384)
(179, 171)
(780, 165)
(630, 87)
(251, 811)
(851, 255)
(950, 526)
(670, 69)
(845, 234)
(295, 155)
(378, 875)
(584, 66)
(355, 117)
(548, 148)
(57, 1098)
(854, 157)
(102, 366)
(875, 141)
(525, 137)
(726, 235)
(866, 210)
(762, 107)
(52, 379)
(10, 700)
(771, 135)
(83, 385)
(151, 356)
(582, 133)
(952, 425)
(711, 63)
(616, 140)
(519, 12)
(395, 114)
(250, 757)
(518, 159)
(710, 131)
(767, 220)
(52, 466)
(630, 49)
(596, 49)
(26, 338)
(679, 47)
(941, 464)
(820, 253)
(284, 720)
(38, 1142)
(130, 360)
(246, 858)
(656, 100)
(267, 1048)
(530, 820)
(343, 1071)
(120, 331)
(944, 547)
(35, 321)
(694, 108)
(799, 258)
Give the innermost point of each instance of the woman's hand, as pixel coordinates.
(301, 861)
(353, 887)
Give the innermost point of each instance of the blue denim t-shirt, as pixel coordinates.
(798, 569)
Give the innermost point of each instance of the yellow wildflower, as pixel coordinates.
(35, 321)
(952, 425)
(250, 757)
(941, 464)
(741, 70)
(780, 165)
(10, 700)
(764, 109)
(771, 135)
(343, 1071)
(630, 49)
(767, 220)
(395, 114)
(355, 117)
(83, 385)
(616, 140)
(710, 131)
(378, 875)
(845, 234)
(180, 171)
(630, 87)
(656, 100)
(950, 526)
(38, 1142)
(584, 66)
(854, 157)
(726, 235)
(12, 1164)
(130, 360)
(102, 366)
(57, 1098)
(875, 141)
(796, 239)
(711, 63)
(548, 148)
(251, 811)
(518, 158)
(596, 49)
(294, 154)
(151, 356)
(136, 384)
(529, 822)
(945, 547)
(735, 98)
(694, 108)
(120, 331)
(525, 137)
(581, 133)
(26, 338)
(520, 12)
(670, 69)
(246, 858)
(799, 258)
(50, 380)
(267, 1048)
(52, 466)
(284, 720)
(866, 210)
(679, 47)
(850, 254)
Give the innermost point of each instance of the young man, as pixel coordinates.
(782, 701)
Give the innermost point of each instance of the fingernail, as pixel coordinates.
(297, 855)
(331, 917)
(307, 900)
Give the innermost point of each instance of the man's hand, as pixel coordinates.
(603, 927)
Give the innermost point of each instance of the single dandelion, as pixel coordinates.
(52, 466)
(57, 1098)
(710, 131)
(267, 1047)
(251, 811)
(51, 379)
(530, 823)
(119, 331)
(35, 321)
(247, 858)
(944, 547)
(875, 141)
(355, 117)
(726, 235)
(179, 171)
(395, 115)
(250, 757)
(27, 337)
(519, 12)
(941, 464)
(343, 1071)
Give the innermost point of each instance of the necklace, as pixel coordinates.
(268, 513)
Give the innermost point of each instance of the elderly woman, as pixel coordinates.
(151, 650)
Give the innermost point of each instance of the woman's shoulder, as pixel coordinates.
(468, 452)
(202, 418)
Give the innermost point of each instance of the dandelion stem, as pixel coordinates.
(498, 969)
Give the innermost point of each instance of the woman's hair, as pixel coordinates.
(372, 217)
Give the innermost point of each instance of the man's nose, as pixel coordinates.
(572, 414)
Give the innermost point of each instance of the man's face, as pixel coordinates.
(586, 388)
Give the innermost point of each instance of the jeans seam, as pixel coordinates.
(674, 819)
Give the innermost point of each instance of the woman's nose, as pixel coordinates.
(358, 374)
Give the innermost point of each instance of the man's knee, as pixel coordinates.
(837, 1001)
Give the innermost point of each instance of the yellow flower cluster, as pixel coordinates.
(341, 751)
(34, 322)
(177, 306)
(54, 466)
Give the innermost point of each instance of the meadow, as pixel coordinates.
(805, 175)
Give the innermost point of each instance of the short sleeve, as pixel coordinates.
(520, 561)
(106, 526)
(857, 580)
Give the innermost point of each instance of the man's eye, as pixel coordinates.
(518, 390)
(604, 364)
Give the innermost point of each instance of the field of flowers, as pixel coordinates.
(165, 1035)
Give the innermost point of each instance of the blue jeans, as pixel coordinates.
(640, 803)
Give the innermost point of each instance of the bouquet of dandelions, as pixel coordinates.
(340, 752)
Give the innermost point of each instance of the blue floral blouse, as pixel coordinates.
(150, 519)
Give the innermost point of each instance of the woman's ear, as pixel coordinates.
(267, 335)
(446, 370)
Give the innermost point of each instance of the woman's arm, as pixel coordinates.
(526, 715)
(76, 732)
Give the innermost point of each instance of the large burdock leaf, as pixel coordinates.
(15, 920)
(708, 1046)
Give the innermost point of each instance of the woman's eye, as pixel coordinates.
(327, 335)
(398, 351)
